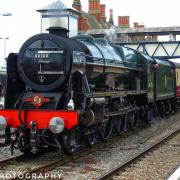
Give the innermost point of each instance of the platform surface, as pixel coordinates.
(175, 175)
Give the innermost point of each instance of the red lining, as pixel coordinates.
(178, 91)
(41, 117)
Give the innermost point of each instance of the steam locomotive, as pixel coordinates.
(64, 92)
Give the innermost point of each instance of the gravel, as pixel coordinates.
(5, 152)
(157, 164)
(103, 160)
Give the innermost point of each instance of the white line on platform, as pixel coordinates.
(175, 175)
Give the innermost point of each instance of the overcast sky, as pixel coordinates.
(25, 21)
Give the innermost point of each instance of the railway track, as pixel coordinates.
(4, 162)
(3, 145)
(64, 159)
(2, 140)
(2, 135)
(133, 160)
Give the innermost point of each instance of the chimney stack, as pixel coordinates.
(95, 8)
(59, 31)
(111, 20)
(103, 12)
(123, 21)
(137, 25)
(77, 5)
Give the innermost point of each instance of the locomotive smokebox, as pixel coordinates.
(59, 31)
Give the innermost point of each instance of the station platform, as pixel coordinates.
(175, 175)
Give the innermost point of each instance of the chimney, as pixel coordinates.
(94, 8)
(84, 24)
(77, 5)
(59, 31)
(111, 20)
(103, 12)
(137, 25)
(123, 21)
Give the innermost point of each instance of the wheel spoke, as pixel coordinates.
(117, 124)
(105, 130)
(133, 120)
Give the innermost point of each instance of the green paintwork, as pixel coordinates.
(112, 66)
(148, 78)
(126, 69)
(165, 80)
(150, 83)
(163, 77)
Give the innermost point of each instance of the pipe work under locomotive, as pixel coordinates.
(63, 91)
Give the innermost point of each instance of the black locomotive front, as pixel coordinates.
(44, 62)
(39, 89)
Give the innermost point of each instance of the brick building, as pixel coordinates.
(76, 20)
(95, 18)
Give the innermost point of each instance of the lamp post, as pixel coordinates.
(5, 49)
(6, 14)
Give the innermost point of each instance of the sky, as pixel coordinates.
(25, 21)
